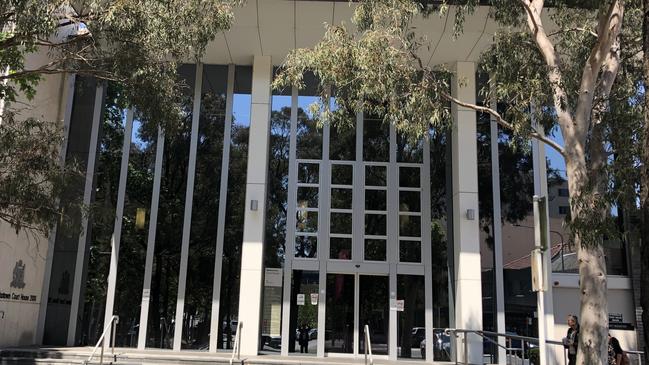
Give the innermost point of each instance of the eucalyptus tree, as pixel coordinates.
(134, 44)
(554, 66)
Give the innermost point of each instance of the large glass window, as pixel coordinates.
(276, 216)
(205, 209)
(102, 218)
(166, 259)
(376, 140)
(441, 239)
(135, 229)
(66, 242)
(309, 134)
(233, 234)
(485, 213)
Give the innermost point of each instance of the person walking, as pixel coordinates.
(571, 340)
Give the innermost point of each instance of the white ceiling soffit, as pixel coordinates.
(274, 27)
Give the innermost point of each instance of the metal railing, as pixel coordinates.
(517, 348)
(114, 320)
(236, 349)
(368, 346)
(635, 354)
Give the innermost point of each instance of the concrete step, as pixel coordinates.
(77, 355)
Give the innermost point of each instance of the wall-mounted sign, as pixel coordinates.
(314, 298)
(615, 318)
(17, 296)
(400, 305)
(273, 277)
(300, 299)
(616, 322)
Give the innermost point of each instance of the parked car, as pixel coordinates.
(441, 345)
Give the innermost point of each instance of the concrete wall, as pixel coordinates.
(23, 255)
(22, 264)
(620, 301)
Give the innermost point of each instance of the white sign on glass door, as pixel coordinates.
(273, 277)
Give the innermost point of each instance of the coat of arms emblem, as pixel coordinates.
(18, 281)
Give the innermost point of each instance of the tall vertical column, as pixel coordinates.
(252, 252)
(498, 240)
(546, 319)
(466, 241)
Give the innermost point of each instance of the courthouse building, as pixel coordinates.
(250, 217)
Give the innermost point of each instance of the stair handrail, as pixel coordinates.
(236, 348)
(456, 332)
(114, 320)
(508, 337)
(368, 346)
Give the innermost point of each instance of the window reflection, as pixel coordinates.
(409, 151)
(235, 207)
(66, 242)
(375, 250)
(135, 231)
(166, 259)
(205, 209)
(441, 246)
(411, 329)
(276, 215)
(303, 329)
(376, 140)
(102, 218)
(308, 134)
(340, 248)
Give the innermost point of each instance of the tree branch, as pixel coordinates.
(574, 30)
(608, 29)
(503, 123)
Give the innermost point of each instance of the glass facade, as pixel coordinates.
(344, 205)
(358, 227)
(137, 197)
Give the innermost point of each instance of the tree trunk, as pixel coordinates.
(644, 186)
(592, 271)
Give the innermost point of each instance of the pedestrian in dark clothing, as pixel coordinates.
(571, 340)
(304, 339)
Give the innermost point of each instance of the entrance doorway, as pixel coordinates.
(353, 301)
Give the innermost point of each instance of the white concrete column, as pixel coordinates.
(544, 299)
(466, 235)
(252, 252)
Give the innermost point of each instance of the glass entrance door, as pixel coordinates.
(373, 308)
(353, 301)
(339, 323)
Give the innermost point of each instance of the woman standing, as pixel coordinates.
(571, 340)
